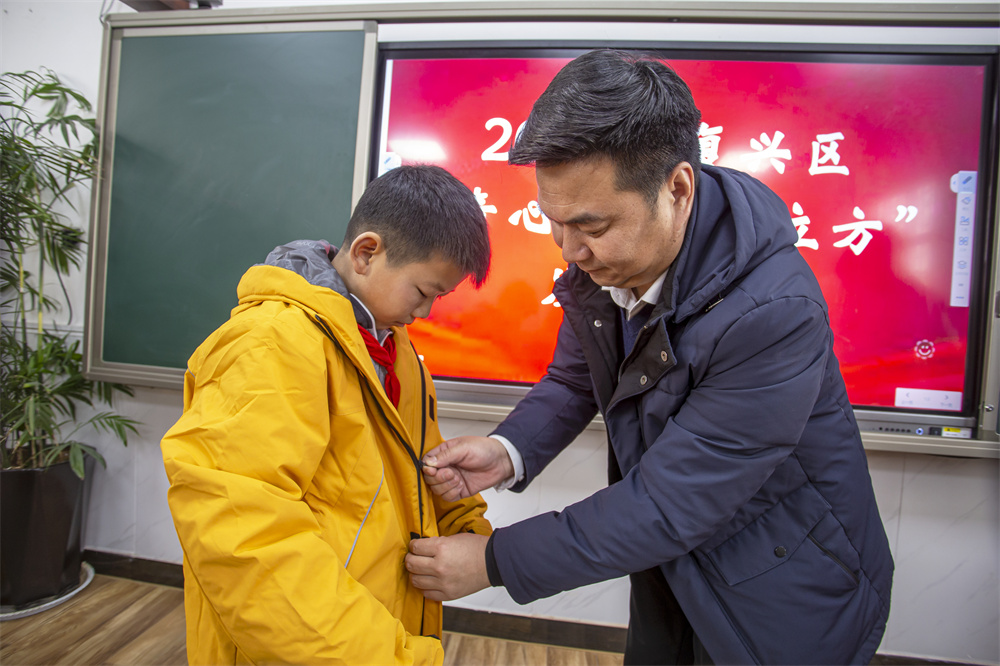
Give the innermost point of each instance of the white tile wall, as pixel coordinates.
(946, 560)
(128, 511)
(578, 472)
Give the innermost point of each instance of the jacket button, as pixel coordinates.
(643, 380)
(780, 551)
(598, 323)
(664, 356)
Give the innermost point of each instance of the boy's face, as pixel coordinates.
(398, 294)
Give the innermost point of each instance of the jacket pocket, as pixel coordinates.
(770, 539)
(791, 584)
(829, 537)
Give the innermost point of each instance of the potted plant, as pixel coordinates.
(48, 149)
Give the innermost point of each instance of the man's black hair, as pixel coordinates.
(421, 211)
(622, 105)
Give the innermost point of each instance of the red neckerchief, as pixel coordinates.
(386, 357)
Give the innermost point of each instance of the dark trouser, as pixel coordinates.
(658, 631)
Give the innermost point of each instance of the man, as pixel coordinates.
(739, 500)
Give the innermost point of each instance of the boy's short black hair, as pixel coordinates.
(626, 106)
(420, 211)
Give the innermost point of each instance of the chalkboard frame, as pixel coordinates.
(96, 365)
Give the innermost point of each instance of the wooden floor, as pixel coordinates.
(462, 650)
(120, 621)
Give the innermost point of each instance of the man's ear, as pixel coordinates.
(680, 184)
(363, 249)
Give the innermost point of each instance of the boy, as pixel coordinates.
(294, 471)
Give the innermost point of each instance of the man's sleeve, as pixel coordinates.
(555, 411)
(736, 426)
(516, 460)
(240, 461)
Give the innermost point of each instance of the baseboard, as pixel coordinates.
(577, 635)
(135, 568)
(534, 630)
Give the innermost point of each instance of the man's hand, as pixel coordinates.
(446, 568)
(463, 466)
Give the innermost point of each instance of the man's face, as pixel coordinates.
(396, 295)
(613, 235)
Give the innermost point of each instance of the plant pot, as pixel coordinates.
(41, 519)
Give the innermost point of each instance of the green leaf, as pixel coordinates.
(49, 145)
(76, 460)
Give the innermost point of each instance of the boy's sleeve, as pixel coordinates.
(240, 461)
(467, 515)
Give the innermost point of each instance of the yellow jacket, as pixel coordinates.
(295, 490)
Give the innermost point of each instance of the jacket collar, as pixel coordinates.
(736, 223)
(312, 260)
(333, 313)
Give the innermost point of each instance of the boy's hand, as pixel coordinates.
(463, 466)
(446, 568)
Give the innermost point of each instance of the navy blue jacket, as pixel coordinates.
(742, 470)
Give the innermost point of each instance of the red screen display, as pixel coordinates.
(876, 162)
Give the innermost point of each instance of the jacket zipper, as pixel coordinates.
(826, 551)
(423, 434)
(423, 442)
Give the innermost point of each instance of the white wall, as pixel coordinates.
(941, 514)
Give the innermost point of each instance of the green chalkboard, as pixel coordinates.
(224, 146)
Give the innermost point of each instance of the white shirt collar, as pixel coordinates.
(626, 300)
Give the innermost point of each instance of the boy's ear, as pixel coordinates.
(363, 249)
